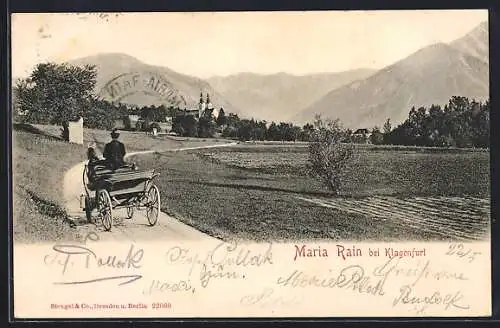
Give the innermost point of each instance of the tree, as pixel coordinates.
(99, 114)
(376, 137)
(56, 94)
(387, 126)
(232, 119)
(162, 113)
(328, 156)
(190, 126)
(273, 132)
(28, 103)
(185, 125)
(295, 132)
(146, 113)
(206, 124)
(481, 126)
(287, 132)
(461, 123)
(177, 125)
(349, 136)
(306, 132)
(245, 130)
(260, 130)
(221, 118)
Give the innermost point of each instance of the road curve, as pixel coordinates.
(137, 228)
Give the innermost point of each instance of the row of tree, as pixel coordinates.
(460, 123)
(232, 126)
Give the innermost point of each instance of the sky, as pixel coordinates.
(208, 44)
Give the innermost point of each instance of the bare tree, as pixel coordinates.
(328, 155)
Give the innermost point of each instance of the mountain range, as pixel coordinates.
(360, 98)
(278, 97)
(432, 75)
(123, 78)
(270, 97)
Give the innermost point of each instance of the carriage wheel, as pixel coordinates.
(130, 212)
(88, 209)
(105, 209)
(153, 205)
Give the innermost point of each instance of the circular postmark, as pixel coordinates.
(127, 86)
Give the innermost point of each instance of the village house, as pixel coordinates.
(361, 136)
(165, 126)
(133, 120)
(189, 112)
(127, 122)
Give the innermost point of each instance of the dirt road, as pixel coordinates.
(137, 228)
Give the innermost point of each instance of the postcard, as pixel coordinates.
(251, 164)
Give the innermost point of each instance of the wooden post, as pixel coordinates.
(76, 131)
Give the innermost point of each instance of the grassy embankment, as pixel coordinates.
(38, 165)
(40, 160)
(250, 192)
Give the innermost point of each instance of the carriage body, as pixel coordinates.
(107, 190)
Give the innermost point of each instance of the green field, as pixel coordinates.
(259, 192)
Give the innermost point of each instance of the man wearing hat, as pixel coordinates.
(114, 151)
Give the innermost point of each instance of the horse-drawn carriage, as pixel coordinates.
(124, 187)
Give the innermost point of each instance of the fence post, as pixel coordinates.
(76, 131)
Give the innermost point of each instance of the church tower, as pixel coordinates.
(201, 105)
(209, 104)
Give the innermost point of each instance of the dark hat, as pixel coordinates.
(115, 134)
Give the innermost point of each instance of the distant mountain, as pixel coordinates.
(475, 43)
(431, 75)
(125, 79)
(279, 96)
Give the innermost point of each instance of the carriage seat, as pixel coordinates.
(101, 167)
(123, 178)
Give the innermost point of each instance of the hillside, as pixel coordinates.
(279, 96)
(125, 79)
(429, 76)
(475, 43)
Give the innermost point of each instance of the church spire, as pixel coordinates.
(201, 106)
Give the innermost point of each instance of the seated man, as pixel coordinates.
(114, 151)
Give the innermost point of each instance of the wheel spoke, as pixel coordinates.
(153, 205)
(105, 209)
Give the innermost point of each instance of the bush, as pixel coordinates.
(328, 156)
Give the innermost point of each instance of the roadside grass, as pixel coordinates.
(231, 202)
(38, 166)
